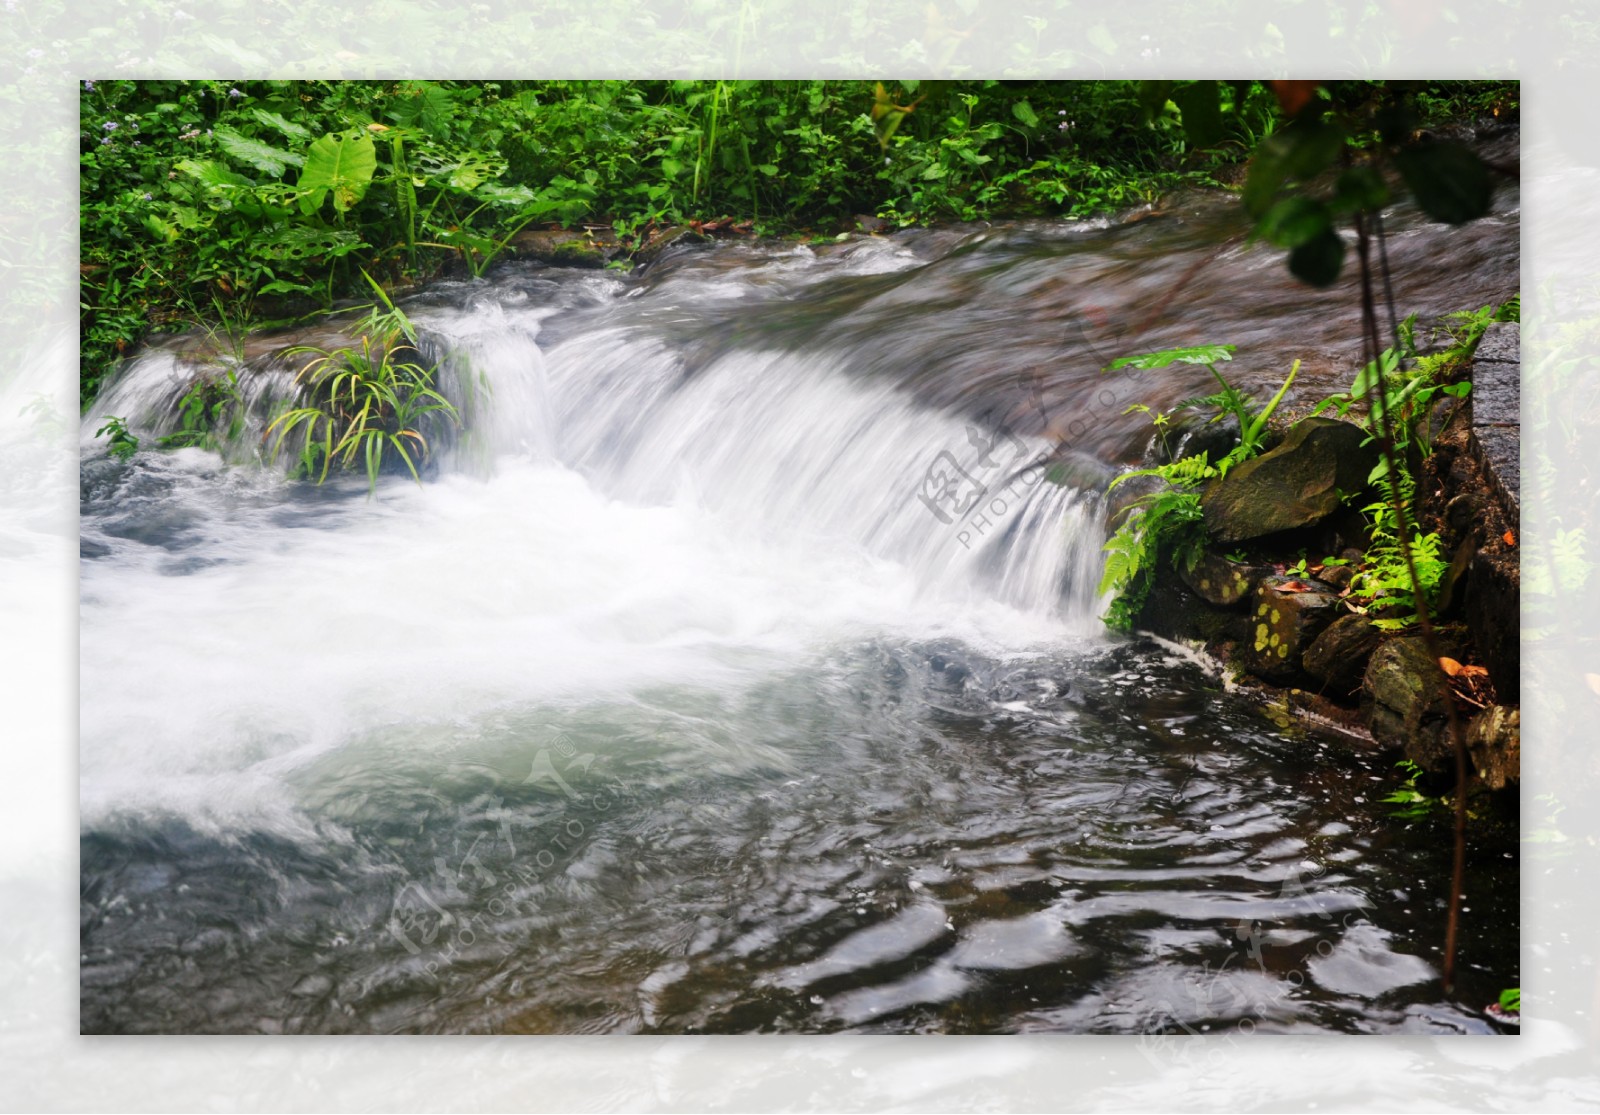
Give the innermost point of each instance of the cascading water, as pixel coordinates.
(730, 672)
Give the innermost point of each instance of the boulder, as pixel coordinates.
(1319, 463)
(1338, 657)
(1404, 689)
(565, 248)
(1174, 612)
(1216, 580)
(1284, 624)
(1494, 740)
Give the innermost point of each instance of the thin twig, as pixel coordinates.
(1372, 343)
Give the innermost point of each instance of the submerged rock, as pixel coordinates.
(1283, 625)
(1320, 462)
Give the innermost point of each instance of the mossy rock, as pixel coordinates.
(1404, 692)
(564, 248)
(1338, 657)
(1224, 583)
(1283, 625)
(1320, 462)
(1174, 612)
(1494, 740)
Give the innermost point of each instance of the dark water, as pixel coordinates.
(670, 704)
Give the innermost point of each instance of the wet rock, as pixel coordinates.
(565, 247)
(664, 238)
(1494, 740)
(1193, 437)
(1216, 580)
(1303, 480)
(1283, 625)
(1338, 657)
(1175, 612)
(1406, 691)
(1493, 616)
(1074, 469)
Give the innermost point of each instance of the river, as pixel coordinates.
(737, 671)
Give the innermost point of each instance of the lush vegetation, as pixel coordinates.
(236, 203)
(364, 401)
(1165, 524)
(1167, 521)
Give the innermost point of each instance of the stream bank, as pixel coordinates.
(1284, 625)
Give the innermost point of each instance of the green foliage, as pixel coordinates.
(1383, 583)
(121, 443)
(1410, 803)
(266, 199)
(1168, 521)
(1403, 384)
(210, 414)
(366, 400)
(1362, 127)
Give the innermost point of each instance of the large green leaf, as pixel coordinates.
(1450, 183)
(301, 242)
(342, 164)
(262, 156)
(1194, 354)
(213, 175)
(288, 127)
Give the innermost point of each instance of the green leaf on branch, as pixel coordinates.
(1318, 260)
(1359, 188)
(1023, 111)
(212, 175)
(1294, 221)
(341, 164)
(304, 242)
(1450, 183)
(1302, 150)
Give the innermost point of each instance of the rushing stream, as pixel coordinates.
(737, 670)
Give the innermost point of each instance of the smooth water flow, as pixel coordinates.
(737, 668)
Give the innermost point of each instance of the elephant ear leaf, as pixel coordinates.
(341, 164)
